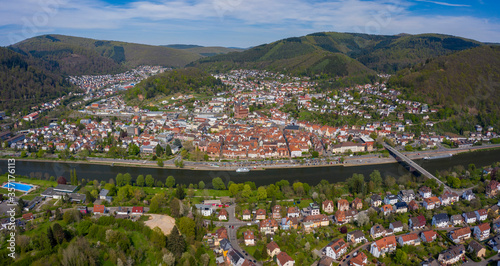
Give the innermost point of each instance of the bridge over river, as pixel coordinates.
(415, 167)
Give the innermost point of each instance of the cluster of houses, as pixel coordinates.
(92, 83)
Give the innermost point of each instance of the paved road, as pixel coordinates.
(232, 226)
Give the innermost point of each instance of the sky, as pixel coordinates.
(240, 23)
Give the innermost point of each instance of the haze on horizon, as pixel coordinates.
(238, 23)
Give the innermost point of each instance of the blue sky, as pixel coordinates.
(240, 23)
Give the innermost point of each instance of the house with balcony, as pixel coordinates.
(469, 217)
(416, 223)
(411, 239)
(328, 206)
(482, 232)
(343, 205)
(406, 195)
(440, 220)
(260, 214)
(357, 204)
(377, 231)
(425, 192)
(396, 226)
(431, 203)
(481, 214)
(452, 255)
(336, 249)
(383, 246)
(356, 237)
(460, 235)
(391, 199)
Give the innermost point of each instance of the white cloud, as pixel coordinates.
(443, 3)
(295, 17)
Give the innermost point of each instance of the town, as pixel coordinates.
(252, 122)
(265, 120)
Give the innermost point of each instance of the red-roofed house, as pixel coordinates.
(382, 246)
(260, 214)
(343, 205)
(249, 238)
(428, 236)
(409, 239)
(99, 209)
(137, 210)
(359, 260)
(482, 231)
(28, 216)
(223, 214)
(283, 259)
(268, 226)
(328, 206)
(336, 249)
(273, 249)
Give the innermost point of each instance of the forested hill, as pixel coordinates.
(188, 80)
(307, 54)
(78, 56)
(467, 79)
(26, 81)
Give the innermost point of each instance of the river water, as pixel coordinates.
(311, 175)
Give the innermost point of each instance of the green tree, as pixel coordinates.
(159, 150)
(261, 193)
(170, 182)
(50, 236)
(160, 163)
(233, 189)
(187, 226)
(201, 185)
(376, 178)
(180, 192)
(140, 181)
(124, 193)
(356, 183)
(389, 181)
(133, 149)
(157, 238)
(120, 181)
(247, 191)
(401, 257)
(127, 179)
(150, 181)
(168, 150)
(175, 243)
(175, 207)
(58, 233)
(218, 184)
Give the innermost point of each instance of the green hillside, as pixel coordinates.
(293, 55)
(212, 50)
(188, 80)
(26, 81)
(378, 52)
(204, 50)
(467, 80)
(77, 56)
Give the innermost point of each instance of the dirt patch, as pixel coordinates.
(164, 222)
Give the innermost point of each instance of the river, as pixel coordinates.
(311, 175)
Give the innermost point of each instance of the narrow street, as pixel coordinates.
(232, 226)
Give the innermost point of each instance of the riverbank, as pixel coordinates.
(362, 160)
